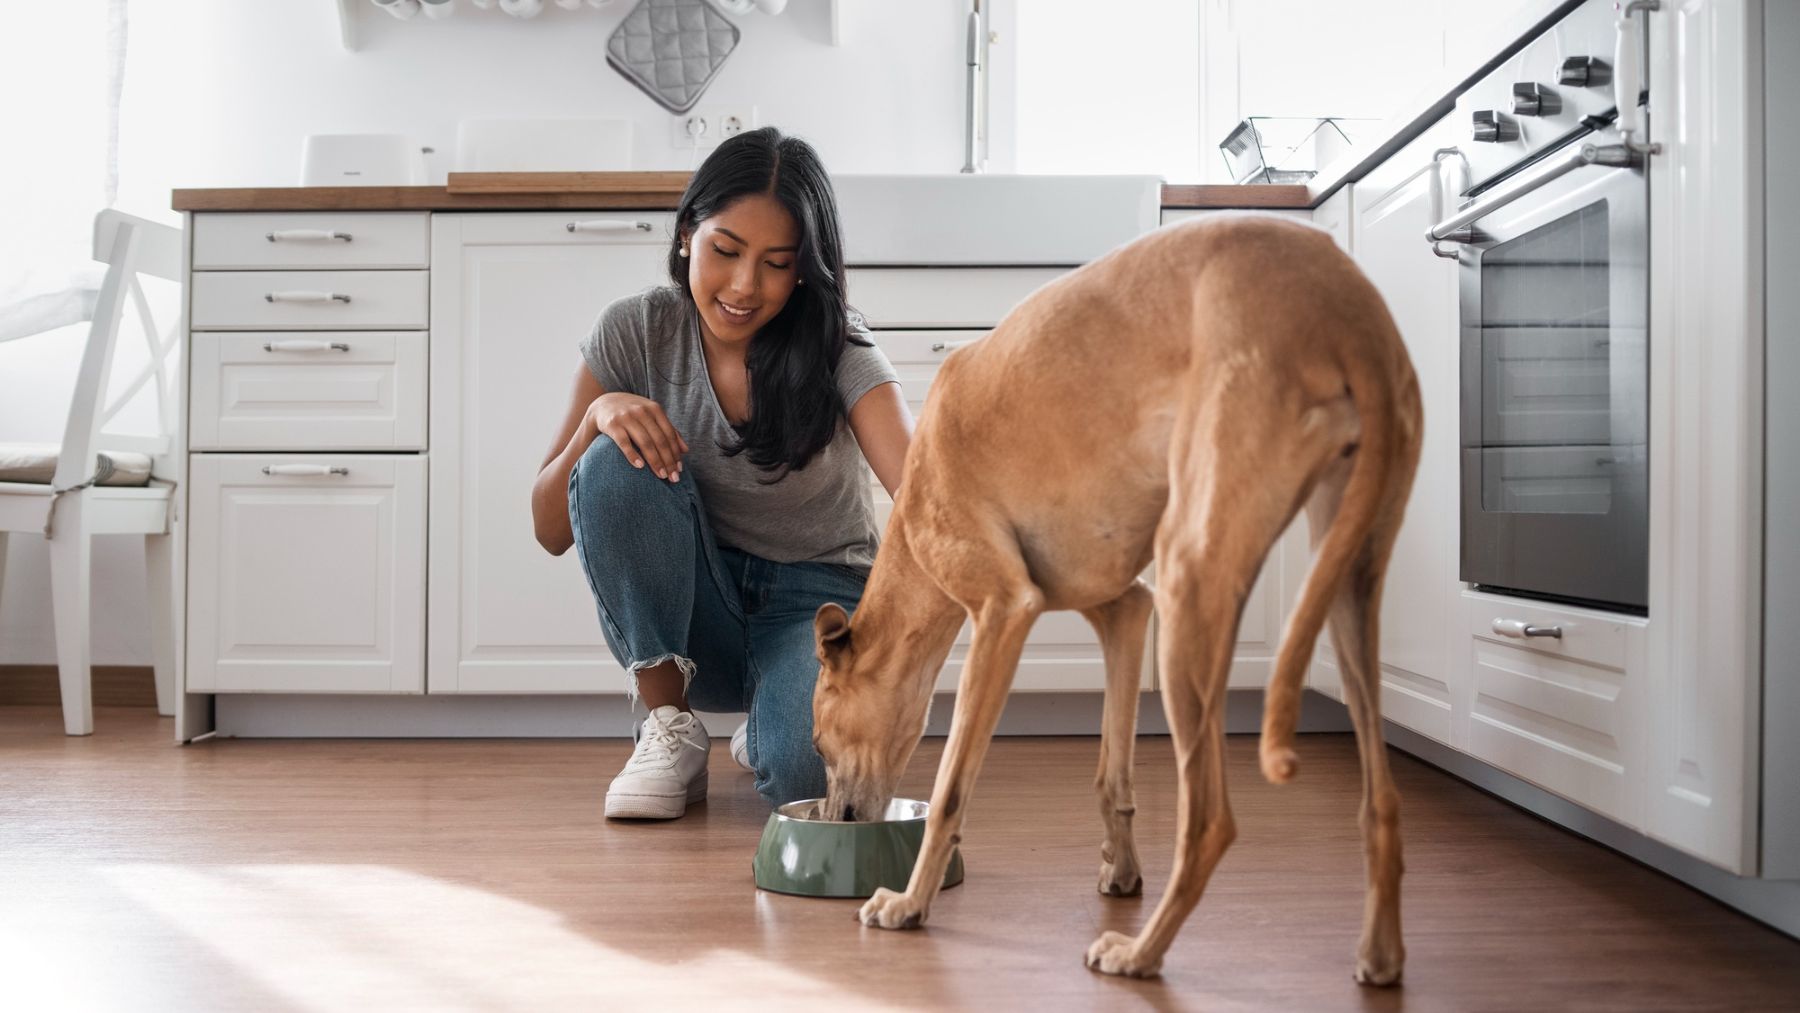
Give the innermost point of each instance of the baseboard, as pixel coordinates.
(243, 715)
(114, 686)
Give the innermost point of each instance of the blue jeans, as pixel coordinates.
(739, 627)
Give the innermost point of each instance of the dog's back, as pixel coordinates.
(1076, 395)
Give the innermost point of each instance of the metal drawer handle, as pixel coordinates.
(1519, 629)
(306, 235)
(305, 346)
(607, 225)
(950, 346)
(304, 470)
(305, 296)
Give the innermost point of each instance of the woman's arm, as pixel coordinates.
(550, 493)
(637, 424)
(883, 427)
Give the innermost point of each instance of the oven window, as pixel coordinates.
(1546, 441)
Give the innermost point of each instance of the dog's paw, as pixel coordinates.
(889, 910)
(1379, 965)
(1116, 953)
(1120, 877)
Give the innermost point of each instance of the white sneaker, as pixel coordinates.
(667, 769)
(740, 746)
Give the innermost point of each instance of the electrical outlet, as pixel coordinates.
(705, 126)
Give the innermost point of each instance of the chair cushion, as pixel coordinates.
(35, 464)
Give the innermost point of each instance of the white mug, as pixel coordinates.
(438, 9)
(522, 8)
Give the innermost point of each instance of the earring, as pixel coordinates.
(684, 251)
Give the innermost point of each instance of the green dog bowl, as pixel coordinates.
(812, 857)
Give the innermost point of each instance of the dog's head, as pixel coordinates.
(867, 718)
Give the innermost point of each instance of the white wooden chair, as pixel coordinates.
(81, 497)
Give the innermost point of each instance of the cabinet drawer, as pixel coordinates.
(309, 300)
(917, 356)
(943, 297)
(340, 390)
(311, 240)
(309, 581)
(1561, 712)
(923, 347)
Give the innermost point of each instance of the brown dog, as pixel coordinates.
(1181, 397)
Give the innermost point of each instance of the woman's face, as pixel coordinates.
(742, 267)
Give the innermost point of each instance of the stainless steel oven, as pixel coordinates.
(1551, 239)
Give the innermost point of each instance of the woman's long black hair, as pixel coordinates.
(795, 407)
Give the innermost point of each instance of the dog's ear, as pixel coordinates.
(831, 631)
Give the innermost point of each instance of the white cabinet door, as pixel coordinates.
(512, 296)
(1392, 212)
(1706, 425)
(306, 573)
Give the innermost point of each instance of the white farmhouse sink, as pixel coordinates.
(963, 219)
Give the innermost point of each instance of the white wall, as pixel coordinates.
(220, 93)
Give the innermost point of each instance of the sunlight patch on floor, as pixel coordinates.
(330, 937)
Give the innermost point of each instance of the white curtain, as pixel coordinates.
(62, 72)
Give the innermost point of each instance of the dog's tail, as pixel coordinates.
(1383, 415)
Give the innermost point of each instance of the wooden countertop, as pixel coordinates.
(549, 191)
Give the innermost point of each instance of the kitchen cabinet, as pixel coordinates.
(1707, 221)
(1392, 209)
(512, 295)
(306, 573)
(305, 569)
(1565, 712)
(474, 378)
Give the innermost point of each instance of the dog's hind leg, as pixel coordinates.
(1233, 490)
(1121, 624)
(1355, 636)
(1001, 624)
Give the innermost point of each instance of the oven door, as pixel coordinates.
(1555, 397)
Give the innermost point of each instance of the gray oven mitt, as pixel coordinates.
(672, 49)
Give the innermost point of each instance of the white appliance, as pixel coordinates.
(361, 160)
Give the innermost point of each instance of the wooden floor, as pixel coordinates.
(276, 875)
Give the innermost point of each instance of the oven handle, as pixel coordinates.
(1437, 190)
(1455, 229)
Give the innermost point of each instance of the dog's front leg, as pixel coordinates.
(999, 639)
(1121, 624)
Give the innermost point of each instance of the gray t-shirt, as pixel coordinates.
(649, 345)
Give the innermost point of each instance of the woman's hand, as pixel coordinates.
(641, 429)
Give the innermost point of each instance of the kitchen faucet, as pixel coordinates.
(975, 135)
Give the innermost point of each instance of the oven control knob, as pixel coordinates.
(1534, 100)
(1494, 126)
(1584, 72)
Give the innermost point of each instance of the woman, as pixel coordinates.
(710, 474)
